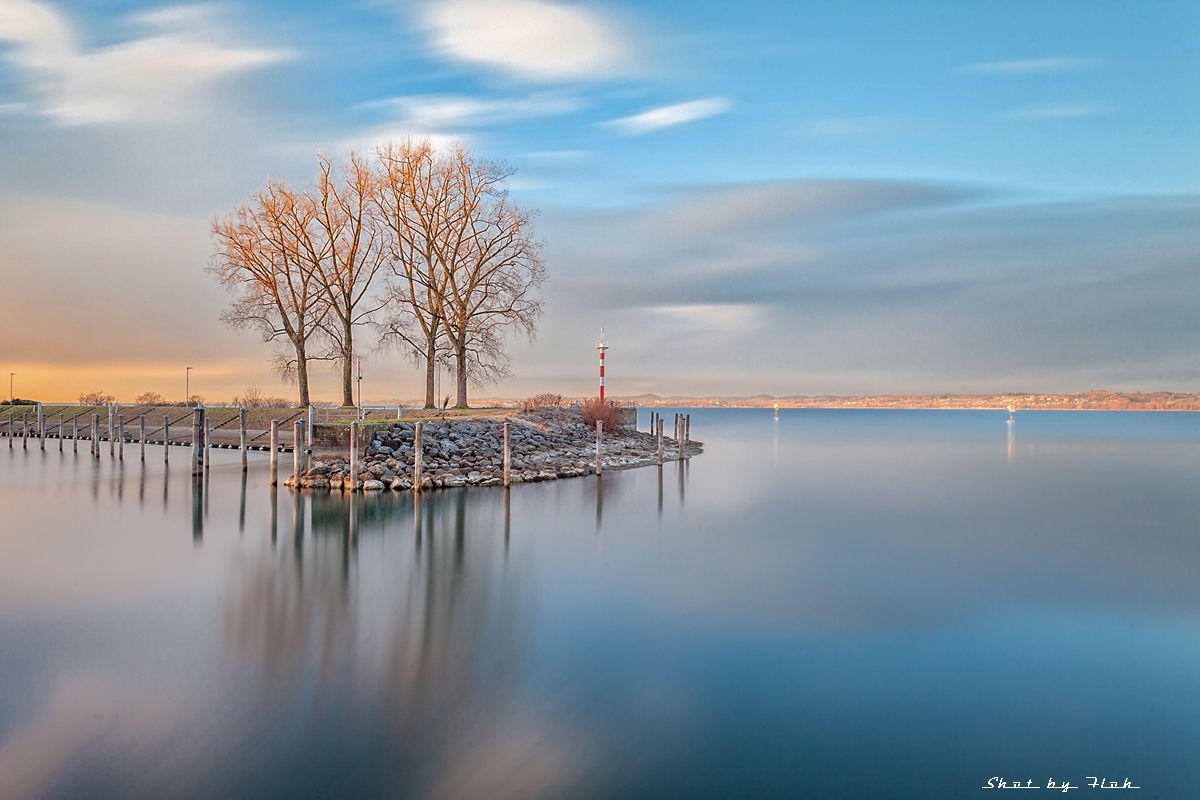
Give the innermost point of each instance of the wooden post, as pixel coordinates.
(24, 430)
(687, 428)
(121, 433)
(62, 424)
(417, 457)
(679, 436)
(242, 422)
(659, 424)
(112, 433)
(297, 451)
(75, 434)
(10, 430)
(207, 442)
(41, 427)
(599, 444)
(166, 438)
(142, 424)
(353, 457)
(198, 441)
(507, 457)
(95, 432)
(274, 451)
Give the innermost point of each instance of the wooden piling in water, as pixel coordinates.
(10, 430)
(25, 430)
(121, 433)
(95, 432)
(207, 442)
(507, 456)
(112, 441)
(242, 423)
(166, 438)
(599, 444)
(274, 452)
(142, 425)
(417, 457)
(687, 428)
(198, 441)
(353, 457)
(658, 423)
(679, 436)
(75, 434)
(62, 424)
(297, 450)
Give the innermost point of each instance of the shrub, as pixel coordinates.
(150, 399)
(609, 412)
(254, 398)
(544, 400)
(96, 399)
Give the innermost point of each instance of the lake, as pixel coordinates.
(837, 604)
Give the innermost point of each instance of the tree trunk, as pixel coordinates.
(302, 374)
(460, 362)
(347, 366)
(430, 371)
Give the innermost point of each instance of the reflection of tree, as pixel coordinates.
(397, 641)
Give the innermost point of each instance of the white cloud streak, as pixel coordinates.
(150, 79)
(669, 116)
(531, 39)
(1066, 111)
(1031, 66)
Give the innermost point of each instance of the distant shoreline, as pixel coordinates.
(1082, 401)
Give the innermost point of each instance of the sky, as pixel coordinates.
(758, 197)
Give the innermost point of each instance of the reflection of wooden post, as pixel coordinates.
(507, 460)
(242, 422)
(166, 438)
(274, 451)
(297, 450)
(353, 457)
(10, 430)
(142, 423)
(659, 424)
(417, 457)
(599, 443)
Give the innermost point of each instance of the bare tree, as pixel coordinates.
(347, 256)
(264, 259)
(412, 196)
(494, 268)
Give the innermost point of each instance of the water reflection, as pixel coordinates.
(888, 599)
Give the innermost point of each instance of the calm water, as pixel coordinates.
(842, 604)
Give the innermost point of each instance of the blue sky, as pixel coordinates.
(786, 197)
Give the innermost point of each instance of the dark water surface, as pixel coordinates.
(843, 604)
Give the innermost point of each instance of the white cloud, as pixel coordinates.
(532, 39)
(1031, 66)
(153, 78)
(448, 112)
(1067, 111)
(716, 318)
(669, 116)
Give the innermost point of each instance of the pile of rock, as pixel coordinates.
(544, 445)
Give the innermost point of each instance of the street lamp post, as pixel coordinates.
(360, 416)
(187, 386)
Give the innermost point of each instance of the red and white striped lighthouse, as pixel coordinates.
(602, 346)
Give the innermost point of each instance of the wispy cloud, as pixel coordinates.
(152, 78)
(1065, 111)
(1032, 66)
(670, 116)
(450, 112)
(536, 40)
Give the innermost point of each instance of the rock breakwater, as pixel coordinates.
(545, 445)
